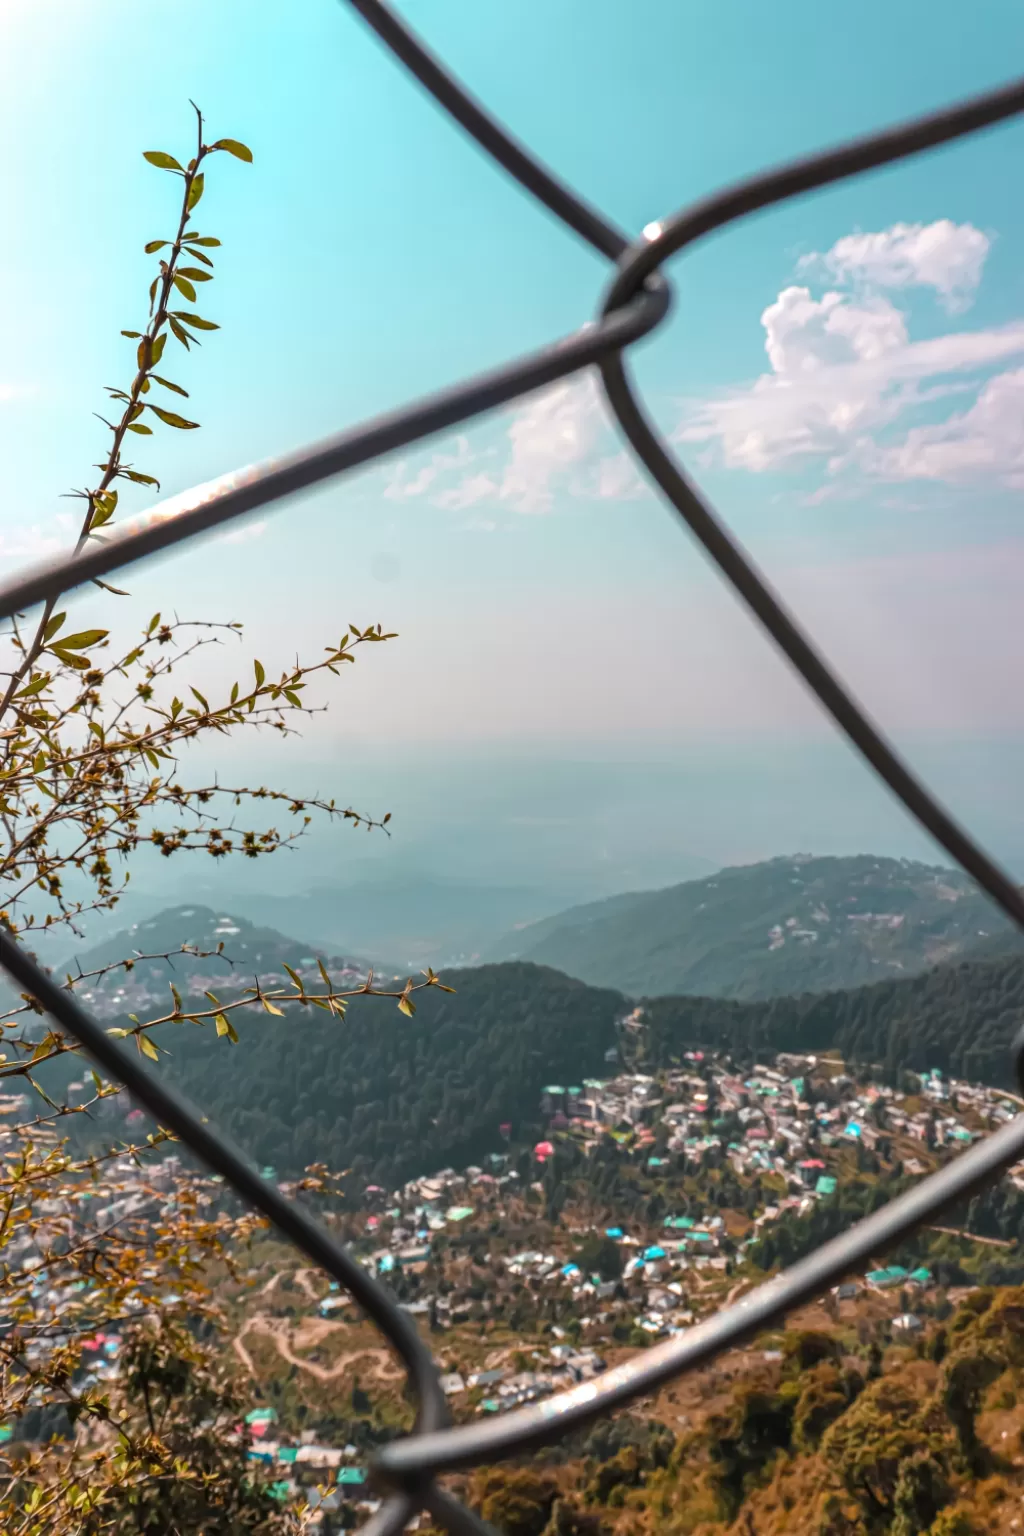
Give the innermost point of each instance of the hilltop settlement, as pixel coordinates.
(650, 1200)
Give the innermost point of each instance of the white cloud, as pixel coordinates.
(247, 533)
(804, 335)
(945, 256)
(554, 434)
(820, 402)
(28, 544)
(401, 484)
(985, 441)
(616, 478)
(848, 387)
(470, 490)
(554, 444)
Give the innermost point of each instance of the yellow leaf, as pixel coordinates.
(406, 1007)
(148, 1048)
(225, 1027)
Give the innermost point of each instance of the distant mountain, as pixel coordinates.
(788, 925)
(247, 950)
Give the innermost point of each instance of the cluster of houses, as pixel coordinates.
(768, 1121)
(561, 1367)
(329, 1477)
(789, 1120)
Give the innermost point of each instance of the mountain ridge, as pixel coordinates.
(796, 923)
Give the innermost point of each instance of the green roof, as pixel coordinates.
(261, 1416)
(351, 1475)
(287, 1453)
(826, 1185)
(891, 1275)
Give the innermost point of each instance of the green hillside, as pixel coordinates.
(786, 926)
(961, 1018)
(397, 1096)
(394, 1096)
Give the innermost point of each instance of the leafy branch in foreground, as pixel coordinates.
(102, 1247)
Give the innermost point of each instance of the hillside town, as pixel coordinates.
(480, 1253)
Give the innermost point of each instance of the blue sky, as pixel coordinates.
(843, 376)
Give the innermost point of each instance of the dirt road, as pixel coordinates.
(311, 1332)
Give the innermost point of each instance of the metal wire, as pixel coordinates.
(638, 299)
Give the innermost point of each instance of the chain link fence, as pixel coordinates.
(637, 300)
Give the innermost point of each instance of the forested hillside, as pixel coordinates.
(786, 926)
(395, 1096)
(959, 1018)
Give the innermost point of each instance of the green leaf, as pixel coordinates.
(278, 1012)
(168, 385)
(172, 419)
(233, 147)
(181, 333)
(140, 426)
(133, 335)
(196, 320)
(157, 350)
(154, 621)
(53, 626)
(184, 287)
(159, 158)
(80, 663)
(207, 240)
(257, 667)
(117, 591)
(196, 274)
(195, 191)
(139, 478)
(294, 976)
(199, 255)
(202, 701)
(155, 245)
(147, 1048)
(84, 639)
(225, 1027)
